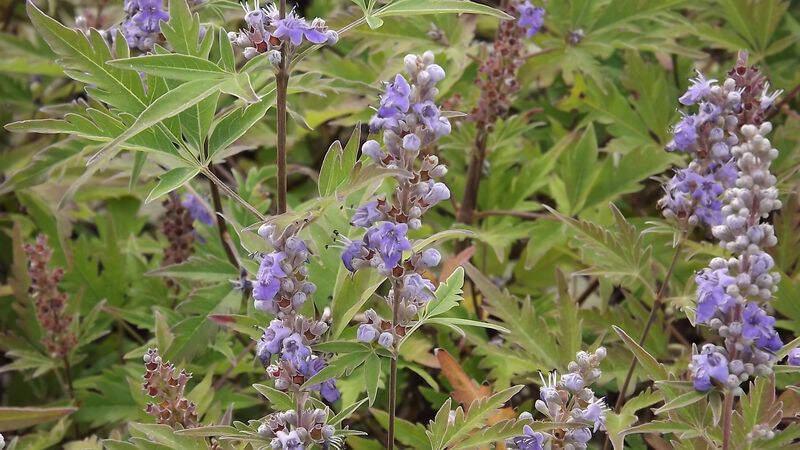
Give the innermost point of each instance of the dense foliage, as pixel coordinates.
(424, 224)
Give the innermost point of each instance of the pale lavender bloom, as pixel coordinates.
(711, 293)
(386, 340)
(296, 28)
(794, 357)
(700, 88)
(530, 17)
(397, 98)
(390, 241)
(294, 348)
(415, 286)
(288, 441)
(271, 341)
(707, 367)
(366, 333)
(268, 281)
(530, 440)
(366, 215)
(573, 381)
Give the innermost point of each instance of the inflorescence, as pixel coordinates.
(50, 302)
(567, 399)
(410, 122)
(729, 188)
(281, 288)
(167, 387)
(266, 32)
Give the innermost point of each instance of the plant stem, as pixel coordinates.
(727, 413)
(282, 84)
(469, 201)
(222, 226)
(650, 321)
(68, 375)
(393, 375)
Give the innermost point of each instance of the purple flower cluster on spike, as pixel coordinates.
(266, 31)
(410, 122)
(142, 26)
(567, 399)
(732, 294)
(281, 288)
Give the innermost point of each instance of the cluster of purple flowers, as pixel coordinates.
(142, 26)
(410, 122)
(567, 399)
(266, 31)
(694, 194)
(727, 139)
(530, 17)
(281, 288)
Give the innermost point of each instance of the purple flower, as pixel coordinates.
(197, 209)
(572, 381)
(309, 367)
(288, 441)
(417, 287)
(353, 251)
(760, 263)
(366, 215)
(149, 15)
(294, 348)
(707, 367)
(794, 357)
(699, 89)
(685, 134)
(386, 340)
(530, 440)
(366, 333)
(397, 98)
(530, 17)
(438, 192)
(580, 435)
(390, 241)
(595, 413)
(296, 28)
(711, 293)
(431, 257)
(272, 340)
(268, 281)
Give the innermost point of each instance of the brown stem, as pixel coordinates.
(650, 321)
(727, 413)
(469, 200)
(222, 226)
(282, 82)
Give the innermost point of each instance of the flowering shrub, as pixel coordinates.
(438, 224)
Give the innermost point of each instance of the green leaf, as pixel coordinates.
(654, 369)
(168, 105)
(278, 400)
(372, 376)
(448, 294)
(407, 433)
(350, 294)
(19, 418)
(336, 367)
(172, 180)
(681, 401)
(85, 61)
(407, 8)
(246, 325)
(579, 169)
(236, 123)
(173, 66)
(338, 163)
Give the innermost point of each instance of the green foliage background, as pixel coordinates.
(587, 129)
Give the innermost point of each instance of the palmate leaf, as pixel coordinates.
(18, 418)
(620, 255)
(85, 61)
(417, 7)
(520, 318)
(444, 434)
